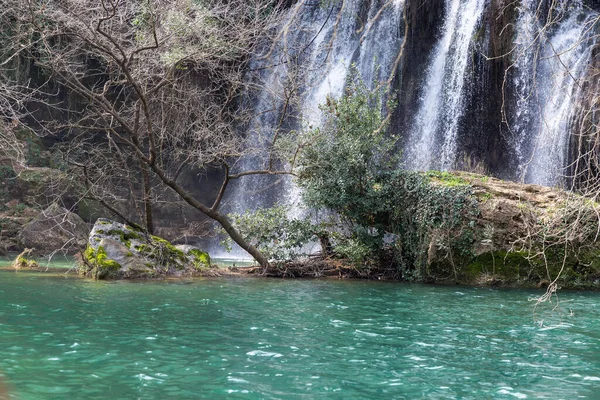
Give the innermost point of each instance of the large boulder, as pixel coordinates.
(53, 229)
(117, 251)
(10, 227)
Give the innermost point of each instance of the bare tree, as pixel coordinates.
(11, 150)
(156, 86)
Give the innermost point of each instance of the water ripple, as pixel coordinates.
(289, 339)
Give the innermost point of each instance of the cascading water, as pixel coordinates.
(432, 142)
(317, 44)
(523, 116)
(371, 45)
(560, 74)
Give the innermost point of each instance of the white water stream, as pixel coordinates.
(432, 143)
(565, 57)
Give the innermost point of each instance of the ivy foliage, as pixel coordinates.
(433, 225)
(353, 168)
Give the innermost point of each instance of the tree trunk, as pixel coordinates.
(240, 240)
(212, 214)
(149, 218)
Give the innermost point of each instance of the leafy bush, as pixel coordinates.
(342, 169)
(352, 168)
(275, 234)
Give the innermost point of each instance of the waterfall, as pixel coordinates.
(566, 55)
(432, 141)
(372, 45)
(523, 115)
(314, 51)
(319, 41)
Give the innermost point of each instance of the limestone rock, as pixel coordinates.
(117, 251)
(518, 232)
(200, 259)
(10, 227)
(54, 228)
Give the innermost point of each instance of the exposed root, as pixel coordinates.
(319, 268)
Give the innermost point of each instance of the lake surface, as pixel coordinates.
(62, 337)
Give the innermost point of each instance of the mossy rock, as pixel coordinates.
(101, 266)
(125, 235)
(131, 253)
(22, 262)
(200, 259)
(501, 241)
(446, 178)
(506, 266)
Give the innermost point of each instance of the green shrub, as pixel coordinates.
(350, 168)
(276, 235)
(353, 168)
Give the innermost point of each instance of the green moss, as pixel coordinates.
(510, 265)
(167, 244)
(483, 197)
(102, 266)
(446, 178)
(23, 262)
(89, 253)
(125, 237)
(135, 228)
(200, 259)
(169, 254)
(105, 262)
(163, 252)
(143, 248)
(518, 267)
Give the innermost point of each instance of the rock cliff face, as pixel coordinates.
(32, 202)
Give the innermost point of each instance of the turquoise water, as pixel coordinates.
(59, 261)
(63, 337)
(67, 262)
